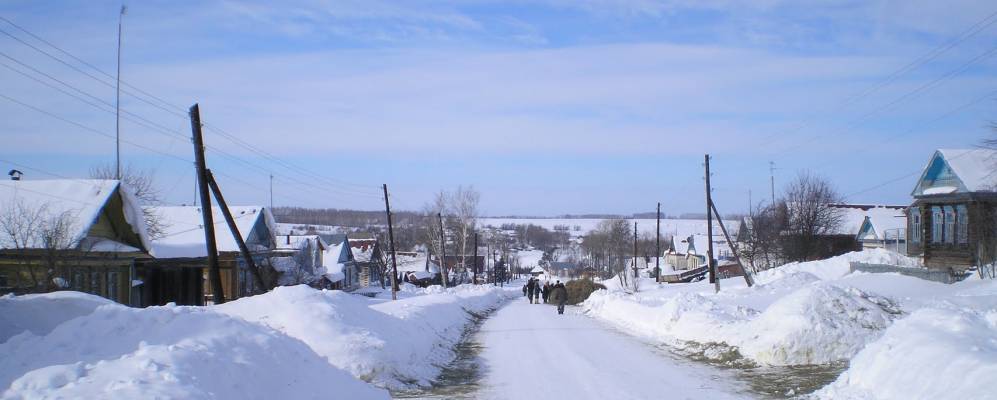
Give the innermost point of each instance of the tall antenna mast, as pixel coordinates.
(117, 104)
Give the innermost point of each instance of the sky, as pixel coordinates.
(546, 107)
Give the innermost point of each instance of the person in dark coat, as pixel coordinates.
(536, 293)
(545, 291)
(524, 290)
(531, 286)
(559, 294)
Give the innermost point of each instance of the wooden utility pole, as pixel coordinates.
(635, 253)
(391, 241)
(733, 248)
(443, 251)
(243, 249)
(657, 246)
(214, 271)
(475, 268)
(711, 266)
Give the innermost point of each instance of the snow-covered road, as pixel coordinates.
(531, 352)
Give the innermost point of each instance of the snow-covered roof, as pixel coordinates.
(412, 263)
(883, 223)
(537, 270)
(295, 242)
(183, 231)
(952, 170)
(363, 249)
(81, 201)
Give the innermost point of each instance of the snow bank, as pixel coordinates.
(815, 324)
(168, 352)
(394, 344)
(935, 353)
(38, 314)
(837, 267)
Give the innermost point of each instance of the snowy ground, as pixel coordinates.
(531, 352)
(293, 342)
(904, 337)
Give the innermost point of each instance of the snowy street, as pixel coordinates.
(531, 352)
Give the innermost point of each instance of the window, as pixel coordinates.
(962, 224)
(949, 224)
(112, 285)
(937, 224)
(915, 225)
(78, 281)
(95, 283)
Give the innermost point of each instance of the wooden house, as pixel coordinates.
(341, 272)
(370, 261)
(952, 220)
(178, 273)
(77, 234)
(299, 259)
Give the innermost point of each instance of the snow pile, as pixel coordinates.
(818, 323)
(39, 314)
(837, 267)
(935, 353)
(168, 352)
(903, 337)
(393, 344)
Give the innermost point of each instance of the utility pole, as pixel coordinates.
(391, 240)
(475, 267)
(214, 271)
(232, 227)
(117, 104)
(443, 250)
(657, 246)
(751, 212)
(733, 248)
(635, 253)
(772, 179)
(271, 192)
(711, 266)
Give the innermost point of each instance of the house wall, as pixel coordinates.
(953, 256)
(105, 276)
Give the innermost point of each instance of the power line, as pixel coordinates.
(232, 138)
(139, 120)
(918, 62)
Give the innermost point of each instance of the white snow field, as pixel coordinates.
(530, 352)
(904, 337)
(293, 342)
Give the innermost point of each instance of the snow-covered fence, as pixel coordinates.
(922, 273)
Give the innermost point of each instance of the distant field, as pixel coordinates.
(675, 227)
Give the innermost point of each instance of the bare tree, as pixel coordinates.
(26, 230)
(141, 184)
(808, 202)
(464, 206)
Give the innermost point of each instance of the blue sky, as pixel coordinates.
(547, 107)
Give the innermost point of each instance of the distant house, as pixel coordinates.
(884, 227)
(370, 261)
(417, 268)
(952, 220)
(341, 272)
(79, 234)
(682, 261)
(178, 273)
(298, 259)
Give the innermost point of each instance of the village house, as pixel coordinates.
(79, 234)
(298, 259)
(369, 260)
(417, 268)
(178, 273)
(682, 261)
(951, 222)
(341, 272)
(884, 227)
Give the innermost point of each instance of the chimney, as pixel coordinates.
(15, 175)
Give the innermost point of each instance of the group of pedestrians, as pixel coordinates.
(555, 293)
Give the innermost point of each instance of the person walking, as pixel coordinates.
(559, 295)
(531, 287)
(545, 292)
(536, 293)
